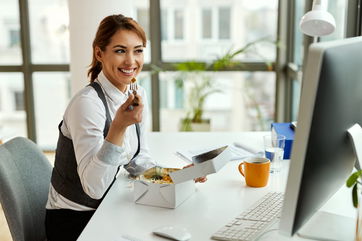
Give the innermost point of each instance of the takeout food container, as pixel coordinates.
(152, 188)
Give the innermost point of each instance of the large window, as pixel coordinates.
(212, 29)
(34, 61)
(33, 102)
(190, 30)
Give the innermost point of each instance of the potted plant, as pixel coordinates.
(354, 181)
(200, 85)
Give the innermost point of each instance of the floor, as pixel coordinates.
(4, 229)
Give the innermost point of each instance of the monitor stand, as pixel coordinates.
(355, 133)
(333, 227)
(329, 227)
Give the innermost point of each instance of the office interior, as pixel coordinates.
(45, 49)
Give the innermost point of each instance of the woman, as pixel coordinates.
(102, 129)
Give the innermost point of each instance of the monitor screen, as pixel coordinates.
(322, 156)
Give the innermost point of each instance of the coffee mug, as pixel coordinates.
(255, 171)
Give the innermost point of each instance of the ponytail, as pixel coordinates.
(94, 70)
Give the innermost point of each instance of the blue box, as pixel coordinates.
(285, 130)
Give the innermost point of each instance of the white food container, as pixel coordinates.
(172, 195)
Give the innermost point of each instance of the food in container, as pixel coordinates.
(158, 175)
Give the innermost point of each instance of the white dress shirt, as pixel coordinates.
(98, 159)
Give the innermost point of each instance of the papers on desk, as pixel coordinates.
(239, 151)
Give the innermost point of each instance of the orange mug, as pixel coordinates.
(255, 170)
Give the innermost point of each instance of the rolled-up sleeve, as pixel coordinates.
(111, 153)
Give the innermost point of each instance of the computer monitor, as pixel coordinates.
(323, 155)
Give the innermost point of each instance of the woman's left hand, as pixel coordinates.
(199, 179)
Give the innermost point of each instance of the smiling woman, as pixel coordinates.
(122, 59)
(121, 45)
(99, 132)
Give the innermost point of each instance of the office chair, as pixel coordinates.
(24, 182)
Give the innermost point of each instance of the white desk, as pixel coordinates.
(215, 202)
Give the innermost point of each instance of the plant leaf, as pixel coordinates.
(353, 178)
(355, 196)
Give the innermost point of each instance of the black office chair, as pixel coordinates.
(24, 183)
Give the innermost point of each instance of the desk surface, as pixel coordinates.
(214, 203)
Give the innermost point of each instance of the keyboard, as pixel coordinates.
(253, 222)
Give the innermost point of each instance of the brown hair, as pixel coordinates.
(107, 28)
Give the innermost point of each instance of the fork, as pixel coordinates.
(133, 88)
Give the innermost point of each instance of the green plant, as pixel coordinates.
(200, 82)
(352, 182)
(201, 87)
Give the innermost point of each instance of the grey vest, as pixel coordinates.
(65, 178)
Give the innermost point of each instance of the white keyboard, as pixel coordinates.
(253, 222)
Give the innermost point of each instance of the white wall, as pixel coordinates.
(84, 18)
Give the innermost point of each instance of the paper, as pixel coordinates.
(238, 151)
(187, 155)
(249, 149)
(126, 237)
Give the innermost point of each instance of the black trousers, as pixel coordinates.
(65, 224)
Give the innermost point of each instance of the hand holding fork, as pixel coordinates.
(133, 88)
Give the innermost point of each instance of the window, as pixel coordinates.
(141, 13)
(12, 114)
(211, 29)
(49, 31)
(191, 30)
(164, 24)
(51, 95)
(215, 23)
(172, 25)
(224, 23)
(144, 80)
(14, 40)
(19, 100)
(179, 25)
(206, 24)
(245, 101)
(338, 9)
(10, 50)
(143, 20)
